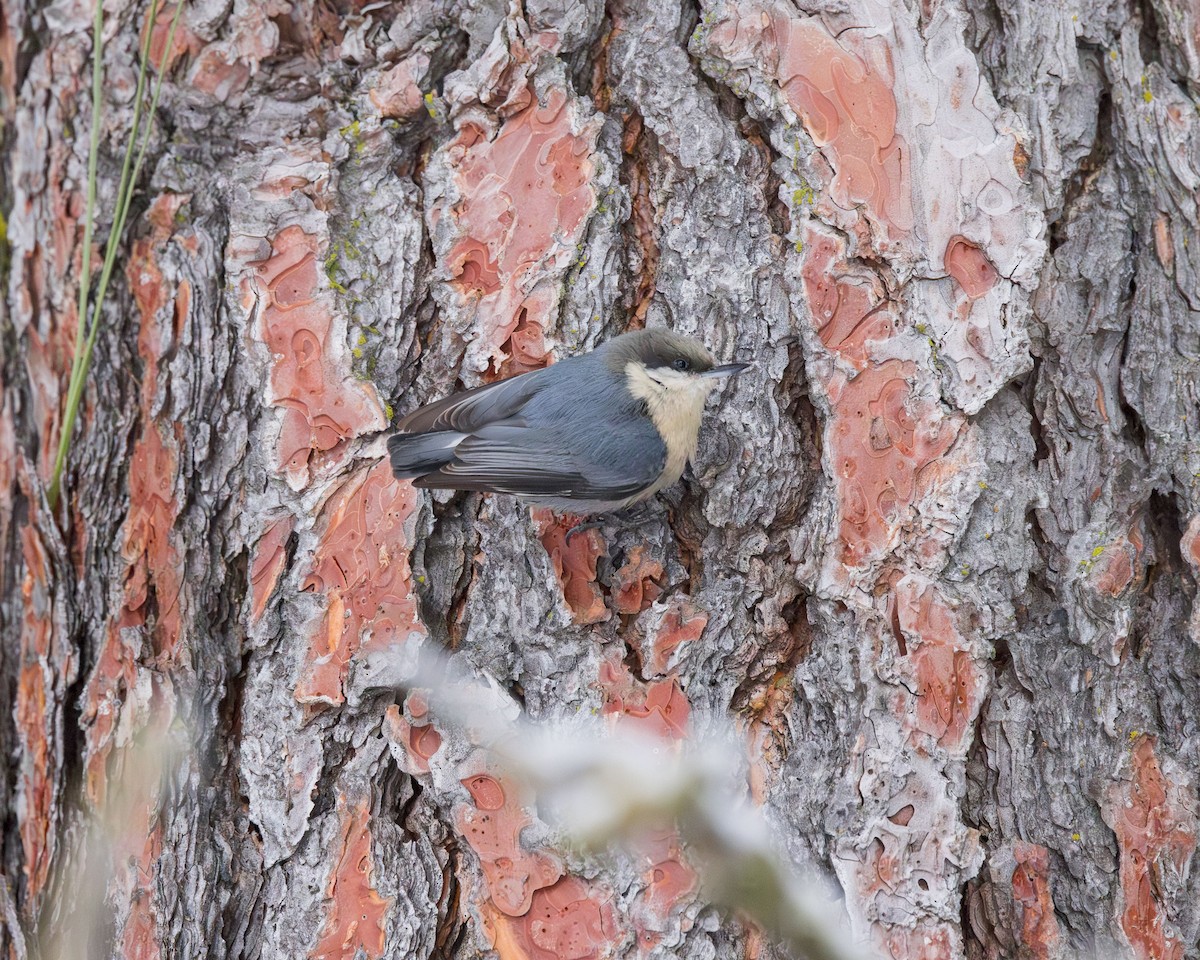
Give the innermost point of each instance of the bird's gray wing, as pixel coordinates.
(511, 457)
(471, 410)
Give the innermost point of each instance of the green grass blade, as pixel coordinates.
(125, 195)
(158, 88)
(85, 279)
(130, 171)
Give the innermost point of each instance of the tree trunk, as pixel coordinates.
(936, 557)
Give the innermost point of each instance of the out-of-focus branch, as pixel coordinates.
(76, 922)
(605, 787)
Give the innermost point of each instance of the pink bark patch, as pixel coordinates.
(1117, 571)
(34, 717)
(184, 41)
(398, 95)
(8, 66)
(492, 826)
(532, 912)
(768, 733)
(219, 73)
(1189, 544)
(420, 741)
(156, 563)
(323, 404)
(950, 686)
(526, 346)
(882, 866)
(884, 439)
(1154, 820)
(418, 704)
(844, 99)
(47, 360)
(895, 870)
(8, 462)
(968, 265)
(1164, 246)
(1120, 565)
(669, 881)
(424, 742)
(1031, 892)
(681, 623)
(137, 849)
(361, 567)
(223, 69)
(270, 558)
(113, 678)
(575, 564)
(45, 280)
(153, 582)
(146, 278)
(43, 364)
(154, 575)
(927, 941)
(523, 199)
(636, 584)
(660, 708)
(566, 921)
(356, 917)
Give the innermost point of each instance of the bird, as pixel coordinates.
(590, 434)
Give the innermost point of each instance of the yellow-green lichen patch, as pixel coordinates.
(333, 272)
(803, 195)
(1089, 561)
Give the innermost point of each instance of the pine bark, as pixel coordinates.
(936, 558)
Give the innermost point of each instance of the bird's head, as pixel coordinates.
(670, 361)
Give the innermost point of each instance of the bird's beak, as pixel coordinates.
(726, 370)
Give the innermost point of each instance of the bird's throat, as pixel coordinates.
(675, 402)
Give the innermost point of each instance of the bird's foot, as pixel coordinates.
(633, 517)
(583, 528)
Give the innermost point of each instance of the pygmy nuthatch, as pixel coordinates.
(589, 434)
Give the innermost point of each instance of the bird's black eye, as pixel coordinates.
(681, 364)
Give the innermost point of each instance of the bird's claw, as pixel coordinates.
(582, 527)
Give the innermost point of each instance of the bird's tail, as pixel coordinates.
(416, 454)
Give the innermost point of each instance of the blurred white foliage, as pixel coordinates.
(605, 785)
